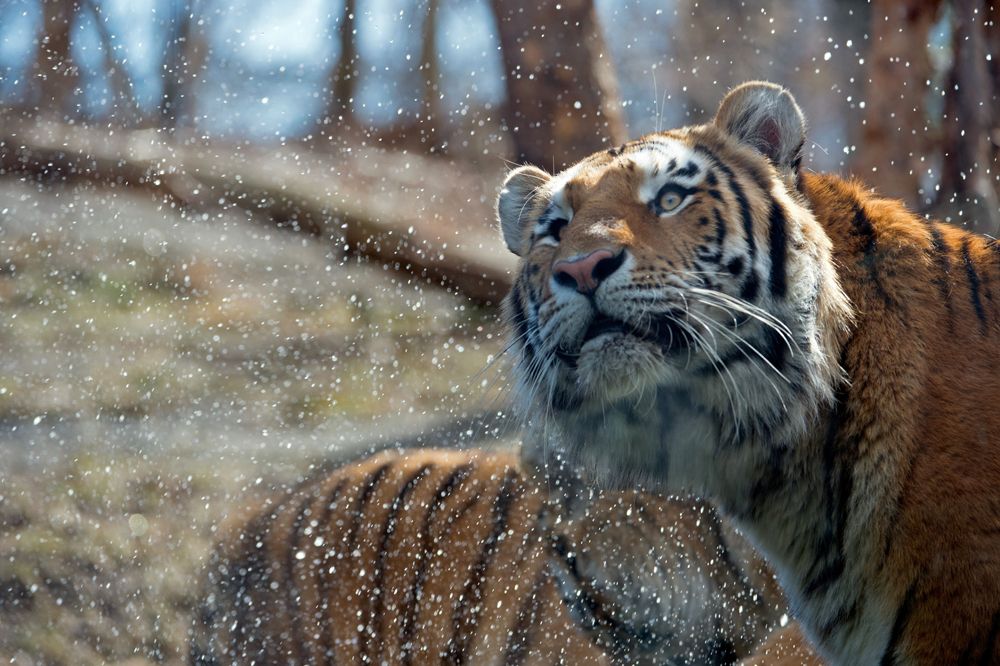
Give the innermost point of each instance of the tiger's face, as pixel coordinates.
(672, 294)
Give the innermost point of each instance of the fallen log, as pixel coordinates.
(423, 216)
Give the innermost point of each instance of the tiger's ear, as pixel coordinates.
(514, 205)
(765, 116)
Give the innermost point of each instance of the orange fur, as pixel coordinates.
(818, 360)
(331, 572)
(784, 647)
(923, 360)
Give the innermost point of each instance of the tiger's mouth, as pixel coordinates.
(662, 332)
(602, 324)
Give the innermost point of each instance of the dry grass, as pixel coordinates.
(158, 372)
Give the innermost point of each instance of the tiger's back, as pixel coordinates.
(449, 556)
(329, 574)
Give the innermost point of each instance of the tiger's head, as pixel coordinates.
(675, 297)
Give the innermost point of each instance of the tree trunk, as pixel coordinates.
(343, 78)
(430, 108)
(894, 135)
(57, 74)
(183, 63)
(562, 98)
(967, 193)
(125, 109)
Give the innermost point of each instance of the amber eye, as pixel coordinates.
(670, 198)
(670, 201)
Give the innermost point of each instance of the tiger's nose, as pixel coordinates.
(586, 273)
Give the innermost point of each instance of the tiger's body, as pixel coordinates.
(696, 314)
(433, 556)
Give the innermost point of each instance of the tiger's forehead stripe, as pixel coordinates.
(663, 159)
(652, 162)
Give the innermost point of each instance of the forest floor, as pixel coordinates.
(159, 371)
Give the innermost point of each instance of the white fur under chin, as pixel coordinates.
(614, 366)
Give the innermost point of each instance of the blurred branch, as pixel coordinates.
(366, 202)
(122, 90)
(562, 96)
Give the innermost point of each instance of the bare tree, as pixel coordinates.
(57, 75)
(967, 190)
(562, 98)
(894, 136)
(183, 61)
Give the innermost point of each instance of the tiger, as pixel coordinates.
(462, 557)
(696, 313)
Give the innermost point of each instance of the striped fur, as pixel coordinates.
(818, 360)
(456, 557)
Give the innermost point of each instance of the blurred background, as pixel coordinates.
(240, 238)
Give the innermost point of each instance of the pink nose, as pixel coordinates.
(586, 273)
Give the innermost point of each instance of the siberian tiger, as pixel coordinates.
(696, 313)
(434, 556)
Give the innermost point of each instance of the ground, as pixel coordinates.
(162, 369)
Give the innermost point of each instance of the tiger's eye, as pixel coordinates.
(669, 201)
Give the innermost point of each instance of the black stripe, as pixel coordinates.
(982, 647)
(465, 616)
(838, 485)
(899, 625)
(294, 593)
(359, 517)
(989, 645)
(520, 637)
(773, 479)
(363, 497)
(247, 571)
(752, 283)
(323, 576)
(970, 272)
(864, 229)
(943, 261)
(720, 228)
(776, 348)
(779, 250)
(770, 344)
(518, 315)
(725, 557)
(750, 286)
(688, 170)
(376, 600)
(760, 176)
(614, 637)
(411, 610)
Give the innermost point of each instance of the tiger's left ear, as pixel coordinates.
(766, 117)
(513, 205)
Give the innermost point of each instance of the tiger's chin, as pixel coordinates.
(616, 367)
